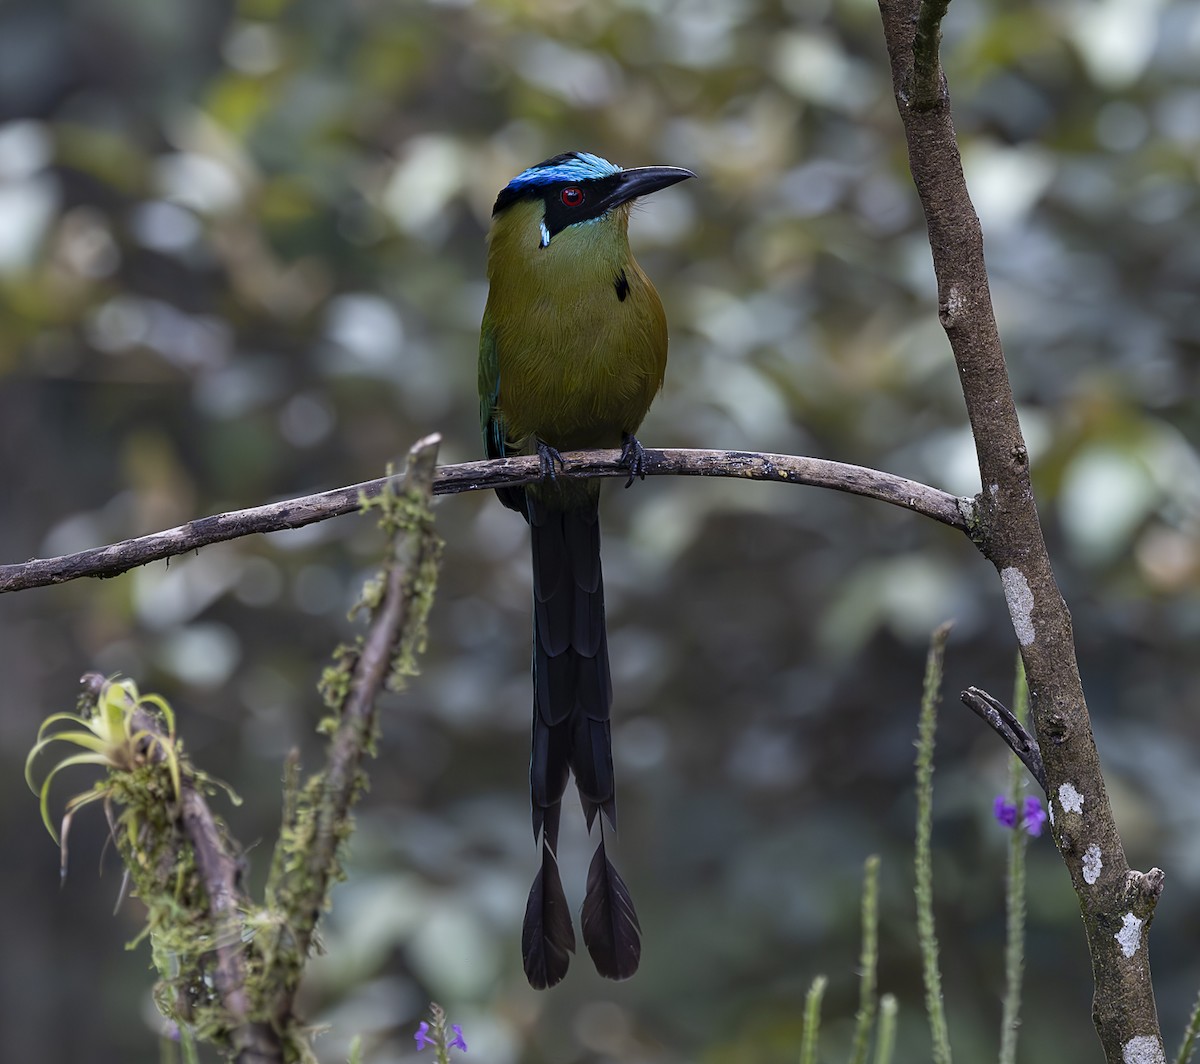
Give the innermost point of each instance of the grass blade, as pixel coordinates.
(885, 1040)
(1190, 1035)
(812, 1020)
(930, 697)
(1014, 949)
(868, 962)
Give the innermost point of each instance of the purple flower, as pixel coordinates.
(1033, 816)
(1005, 812)
(434, 1035)
(422, 1036)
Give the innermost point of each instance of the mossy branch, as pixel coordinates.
(306, 861)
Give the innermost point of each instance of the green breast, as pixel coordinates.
(574, 343)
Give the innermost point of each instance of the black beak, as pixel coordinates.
(641, 181)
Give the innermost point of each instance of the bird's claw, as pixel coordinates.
(547, 457)
(633, 455)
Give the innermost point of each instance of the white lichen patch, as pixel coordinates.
(1130, 935)
(1092, 864)
(1070, 799)
(954, 302)
(1020, 603)
(1144, 1049)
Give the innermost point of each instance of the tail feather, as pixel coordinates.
(572, 684)
(591, 761)
(548, 762)
(583, 544)
(554, 620)
(571, 730)
(587, 632)
(611, 930)
(593, 692)
(547, 939)
(555, 682)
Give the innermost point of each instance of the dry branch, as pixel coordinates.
(117, 558)
(997, 716)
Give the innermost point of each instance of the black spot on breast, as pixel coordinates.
(621, 284)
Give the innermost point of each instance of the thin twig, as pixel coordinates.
(996, 715)
(117, 558)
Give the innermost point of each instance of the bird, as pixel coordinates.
(572, 351)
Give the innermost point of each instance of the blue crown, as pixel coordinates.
(570, 166)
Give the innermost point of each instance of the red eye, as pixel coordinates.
(572, 196)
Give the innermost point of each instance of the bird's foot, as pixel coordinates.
(547, 457)
(633, 456)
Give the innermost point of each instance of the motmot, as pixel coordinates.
(572, 351)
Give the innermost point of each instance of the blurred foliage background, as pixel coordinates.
(241, 257)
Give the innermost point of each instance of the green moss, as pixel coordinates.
(335, 681)
(164, 877)
(420, 586)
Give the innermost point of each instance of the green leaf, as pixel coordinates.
(163, 707)
(44, 796)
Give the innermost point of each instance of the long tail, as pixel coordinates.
(571, 703)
